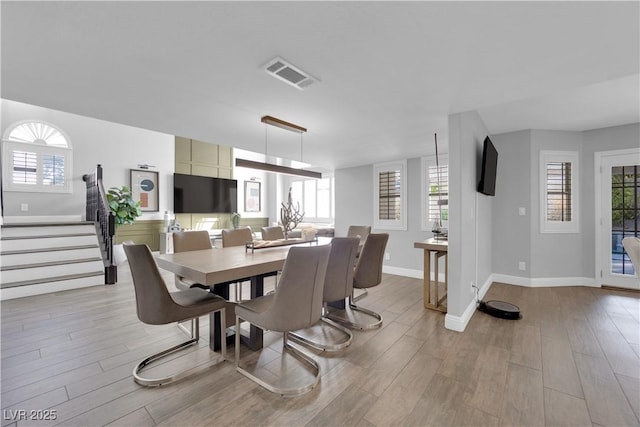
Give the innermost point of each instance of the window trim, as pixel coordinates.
(400, 224)
(318, 219)
(572, 226)
(425, 163)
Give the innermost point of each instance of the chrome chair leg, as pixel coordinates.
(194, 338)
(302, 356)
(325, 346)
(364, 293)
(376, 324)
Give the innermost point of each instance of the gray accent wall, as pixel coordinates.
(518, 238)
(553, 254)
(470, 213)
(354, 206)
(512, 237)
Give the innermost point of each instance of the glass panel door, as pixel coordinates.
(620, 213)
(625, 214)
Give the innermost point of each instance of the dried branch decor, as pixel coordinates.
(290, 215)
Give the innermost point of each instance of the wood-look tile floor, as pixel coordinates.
(572, 360)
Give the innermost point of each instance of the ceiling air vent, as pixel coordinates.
(282, 70)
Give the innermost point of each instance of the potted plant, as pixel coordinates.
(121, 203)
(125, 211)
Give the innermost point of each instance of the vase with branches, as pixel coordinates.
(290, 215)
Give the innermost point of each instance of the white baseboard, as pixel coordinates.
(459, 323)
(405, 272)
(545, 282)
(40, 219)
(409, 272)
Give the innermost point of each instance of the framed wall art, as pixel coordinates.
(251, 196)
(144, 187)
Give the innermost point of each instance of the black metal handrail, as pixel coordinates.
(98, 211)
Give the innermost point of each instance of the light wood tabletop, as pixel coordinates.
(221, 265)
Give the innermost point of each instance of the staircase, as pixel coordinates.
(39, 258)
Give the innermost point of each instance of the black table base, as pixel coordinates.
(254, 340)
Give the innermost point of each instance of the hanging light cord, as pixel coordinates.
(435, 135)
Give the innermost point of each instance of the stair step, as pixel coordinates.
(35, 230)
(49, 242)
(37, 250)
(45, 224)
(52, 279)
(48, 264)
(46, 236)
(43, 273)
(52, 284)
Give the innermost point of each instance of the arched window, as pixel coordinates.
(37, 158)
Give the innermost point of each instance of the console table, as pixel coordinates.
(439, 248)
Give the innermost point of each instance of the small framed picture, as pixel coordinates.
(144, 188)
(251, 196)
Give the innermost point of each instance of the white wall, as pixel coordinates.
(118, 148)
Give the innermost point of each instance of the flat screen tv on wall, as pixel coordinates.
(487, 184)
(201, 194)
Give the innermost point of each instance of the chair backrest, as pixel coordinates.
(297, 303)
(272, 233)
(184, 241)
(368, 270)
(632, 246)
(236, 237)
(153, 302)
(360, 231)
(338, 281)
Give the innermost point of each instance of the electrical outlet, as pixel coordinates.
(522, 266)
(387, 256)
(24, 207)
(522, 211)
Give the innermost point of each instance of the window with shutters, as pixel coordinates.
(36, 158)
(390, 196)
(435, 191)
(559, 192)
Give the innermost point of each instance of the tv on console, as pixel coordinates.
(487, 184)
(201, 194)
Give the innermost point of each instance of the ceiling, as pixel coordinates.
(390, 72)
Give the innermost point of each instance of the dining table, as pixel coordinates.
(218, 268)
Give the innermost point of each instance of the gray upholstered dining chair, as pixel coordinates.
(338, 285)
(157, 306)
(237, 237)
(359, 231)
(185, 241)
(296, 304)
(272, 233)
(367, 274)
(632, 246)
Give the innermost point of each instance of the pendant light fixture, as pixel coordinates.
(270, 167)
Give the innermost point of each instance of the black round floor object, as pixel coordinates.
(501, 309)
